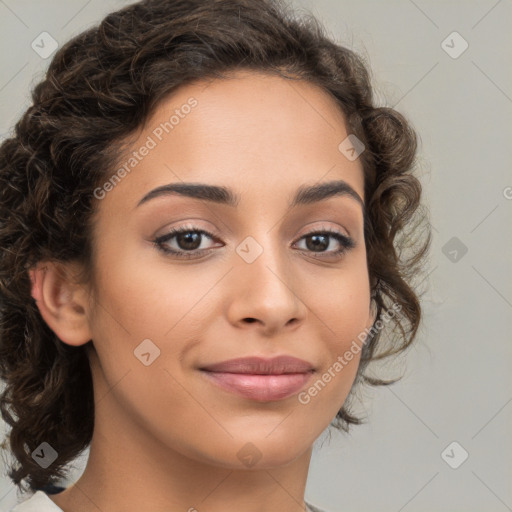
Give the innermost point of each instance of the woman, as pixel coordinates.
(204, 218)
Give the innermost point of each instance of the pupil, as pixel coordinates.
(315, 243)
(190, 238)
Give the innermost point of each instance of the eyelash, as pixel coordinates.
(346, 242)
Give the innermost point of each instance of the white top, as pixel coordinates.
(40, 502)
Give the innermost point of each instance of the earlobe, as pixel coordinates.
(61, 302)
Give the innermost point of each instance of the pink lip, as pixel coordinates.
(261, 366)
(262, 388)
(261, 379)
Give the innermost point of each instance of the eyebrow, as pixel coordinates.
(306, 194)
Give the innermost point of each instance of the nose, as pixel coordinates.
(266, 293)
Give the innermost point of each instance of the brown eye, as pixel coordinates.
(319, 241)
(187, 242)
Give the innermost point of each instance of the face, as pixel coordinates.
(182, 283)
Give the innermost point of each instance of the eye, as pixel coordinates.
(188, 241)
(318, 241)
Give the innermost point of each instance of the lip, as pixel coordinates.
(260, 379)
(261, 366)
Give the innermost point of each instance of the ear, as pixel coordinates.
(62, 302)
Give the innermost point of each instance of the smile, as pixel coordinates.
(262, 388)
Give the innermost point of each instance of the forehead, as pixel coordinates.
(253, 107)
(254, 132)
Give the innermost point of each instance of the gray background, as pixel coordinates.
(457, 379)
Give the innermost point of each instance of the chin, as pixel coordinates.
(266, 453)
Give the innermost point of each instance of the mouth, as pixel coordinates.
(261, 366)
(260, 379)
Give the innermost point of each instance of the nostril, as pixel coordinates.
(250, 320)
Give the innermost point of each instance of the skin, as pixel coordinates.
(165, 438)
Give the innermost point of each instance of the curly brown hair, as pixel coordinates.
(99, 89)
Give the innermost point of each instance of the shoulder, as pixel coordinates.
(38, 502)
(312, 508)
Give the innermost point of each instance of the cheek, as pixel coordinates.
(339, 304)
(346, 315)
(136, 312)
(345, 312)
(144, 298)
(138, 299)
(344, 302)
(175, 307)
